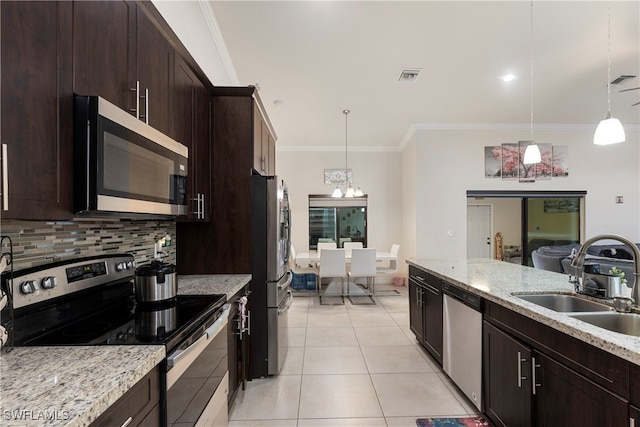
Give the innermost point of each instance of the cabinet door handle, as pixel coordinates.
(632, 422)
(5, 178)
(127, 422)
(534, 383)
(146, 106)
(202, 210)
(137, 91)
(520, 377)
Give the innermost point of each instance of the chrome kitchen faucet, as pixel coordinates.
(578, 261)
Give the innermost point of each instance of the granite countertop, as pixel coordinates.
(72, 386)
(68, 386)
(497, 280)
(204, 284)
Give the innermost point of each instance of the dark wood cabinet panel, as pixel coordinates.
(416, 321)
(507, 398)
(192, 128)
(36, 108)
(154, 70)
(565, 398)
(433, 317)
(223, 245)
(103, 52)
(141, 403)
(425, 310)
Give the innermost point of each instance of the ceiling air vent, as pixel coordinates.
(409, 75)
(621, 79)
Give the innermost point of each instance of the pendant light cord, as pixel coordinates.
(531, 72)
(346, 142)
(609, 60)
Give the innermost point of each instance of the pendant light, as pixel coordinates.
(532, 152)
(609, 130)
(349, 191)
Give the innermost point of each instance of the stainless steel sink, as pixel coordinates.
(565, 303)
(624, 323)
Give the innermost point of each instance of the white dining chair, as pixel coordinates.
(297, 268)
(325, 245)
(332, 265)
(363, 265)
(349, 246)
(393, 268)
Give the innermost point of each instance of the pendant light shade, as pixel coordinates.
(609, 130)
(532, 154)
(336, 192)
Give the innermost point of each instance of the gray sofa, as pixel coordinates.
(555, 258)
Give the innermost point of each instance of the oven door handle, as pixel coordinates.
(193, 351)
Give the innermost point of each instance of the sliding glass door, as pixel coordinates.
(337, 220)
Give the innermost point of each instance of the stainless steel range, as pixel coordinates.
(91, 301)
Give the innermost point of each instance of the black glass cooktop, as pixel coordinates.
(128, 323)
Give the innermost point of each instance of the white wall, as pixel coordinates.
(194, 24)
(377, 173)
(451, 162)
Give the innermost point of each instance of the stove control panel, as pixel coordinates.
(42, 283)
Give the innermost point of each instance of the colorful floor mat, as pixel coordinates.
(453, 422)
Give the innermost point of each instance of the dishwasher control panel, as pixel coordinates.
(466, 297)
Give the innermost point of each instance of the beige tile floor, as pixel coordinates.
(350, 365)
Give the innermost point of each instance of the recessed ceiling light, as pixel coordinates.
(409, 75)
(508, 77)
(278, 103)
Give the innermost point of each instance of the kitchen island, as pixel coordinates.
(540, 367)
(497, 281)
(73, 385)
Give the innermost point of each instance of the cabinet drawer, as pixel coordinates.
(138, 403)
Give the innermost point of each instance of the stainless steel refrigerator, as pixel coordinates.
(271, 295)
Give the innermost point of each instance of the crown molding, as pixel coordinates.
(336, 148)
(218, 40)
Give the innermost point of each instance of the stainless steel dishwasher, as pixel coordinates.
(462, 340)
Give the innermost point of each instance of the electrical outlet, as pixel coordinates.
(619, 199)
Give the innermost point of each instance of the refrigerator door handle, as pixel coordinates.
(286, 282)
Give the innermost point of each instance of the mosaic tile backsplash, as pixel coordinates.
(41, 242)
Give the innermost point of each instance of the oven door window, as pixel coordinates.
(191, 394)
(135, 168)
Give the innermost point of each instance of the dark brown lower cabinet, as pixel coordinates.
(537, 376)
(508, 391)
(565, 398)
(140, 406)
(425, 310)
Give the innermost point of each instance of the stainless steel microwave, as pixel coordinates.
(123, 166)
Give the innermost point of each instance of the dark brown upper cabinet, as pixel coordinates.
(192, 128)
(36, 110)
(129, 61)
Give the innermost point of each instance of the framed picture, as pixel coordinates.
(510, 161)
(493, 161)
(337, 176)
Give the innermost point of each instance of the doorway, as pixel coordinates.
(479, 231)
(528, 220)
